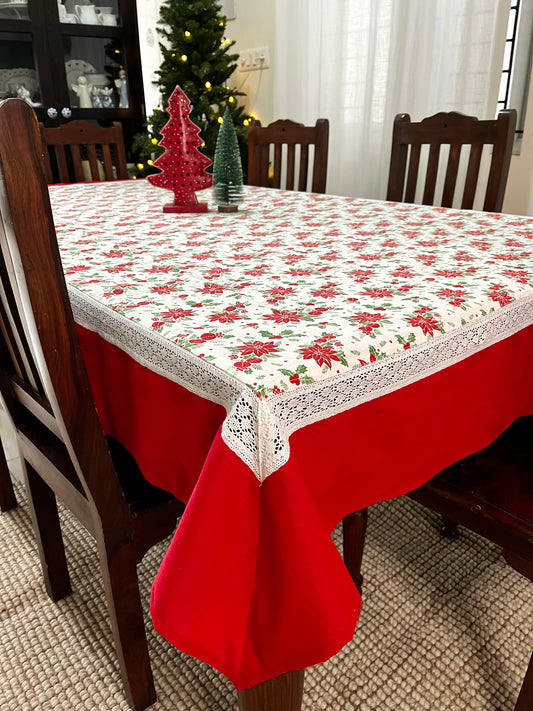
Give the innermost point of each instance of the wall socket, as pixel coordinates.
(250, 59)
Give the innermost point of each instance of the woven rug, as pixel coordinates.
(445, 626)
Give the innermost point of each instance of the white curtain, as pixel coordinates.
(360, 62)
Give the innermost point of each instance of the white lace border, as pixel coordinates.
(258, 430)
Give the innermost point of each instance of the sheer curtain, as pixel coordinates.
(360, 62)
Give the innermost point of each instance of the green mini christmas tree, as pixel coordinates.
(227, 168)
(196, 56)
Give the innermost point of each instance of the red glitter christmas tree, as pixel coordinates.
(182, 164)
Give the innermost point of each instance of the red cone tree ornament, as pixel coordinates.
(182, 165)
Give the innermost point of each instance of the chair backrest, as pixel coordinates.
(42, 375)
(285, 162)
(456, 130)
(82, 151)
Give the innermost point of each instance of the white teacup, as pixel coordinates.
(62, 12)
(109, 20)
(87, 14)
(70, 18)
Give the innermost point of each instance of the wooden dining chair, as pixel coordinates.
(456, 130)
(277, 144)
(8, 500)
(490, 493)
(83, 151)
(46, 391)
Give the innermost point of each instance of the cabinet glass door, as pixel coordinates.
(94, 68)
(18, 74)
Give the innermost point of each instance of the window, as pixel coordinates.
(517, 61)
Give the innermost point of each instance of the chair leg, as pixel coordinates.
(449, 528)
(282, 693)
(525, 698)
(121, 586)
(353, 543)
(8, 500)
(43, 507)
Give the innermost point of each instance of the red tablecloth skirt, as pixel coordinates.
(252, 582)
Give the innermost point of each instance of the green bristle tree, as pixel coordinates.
(227, 169)
(196, 56)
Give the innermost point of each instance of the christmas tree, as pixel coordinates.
(196, 56)
(227, 169)
(182, 165)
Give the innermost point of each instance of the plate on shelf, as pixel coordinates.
(74, 68)
(19, 9)
(11, 79)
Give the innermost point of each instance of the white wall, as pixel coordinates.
(253, 27)
(519, 192)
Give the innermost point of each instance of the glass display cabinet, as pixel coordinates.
(73, 59)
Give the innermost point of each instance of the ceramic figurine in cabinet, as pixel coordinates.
(83, 90)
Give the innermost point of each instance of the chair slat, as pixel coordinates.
(62, 165)
(304, 168)
(276, 181)
(450, 179)
(108, 162)
(93, 163)
(412, 175)
(431, 174)
(291, 159)
(75, 154)
(472, 174)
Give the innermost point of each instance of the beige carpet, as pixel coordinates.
(445, 626)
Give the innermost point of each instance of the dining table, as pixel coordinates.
(279, 367)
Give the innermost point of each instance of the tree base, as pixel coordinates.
(188, 207)
(228, 208)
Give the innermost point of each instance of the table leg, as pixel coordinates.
(283, 693)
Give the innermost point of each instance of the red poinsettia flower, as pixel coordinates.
(177, 313)
(284, 316)
(281, 290)
(160, 270)
(427, 323)
(322, 355)
(499, 294)
(211, 289)
(225, 317)
(325, 292)
(73, 270)
(258, 348)
(165, 289)
(377, 292)
(115, 292)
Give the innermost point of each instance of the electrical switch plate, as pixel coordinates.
(250, 59)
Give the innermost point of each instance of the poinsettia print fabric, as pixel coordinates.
(294, 288)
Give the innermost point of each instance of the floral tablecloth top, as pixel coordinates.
(296, 307)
